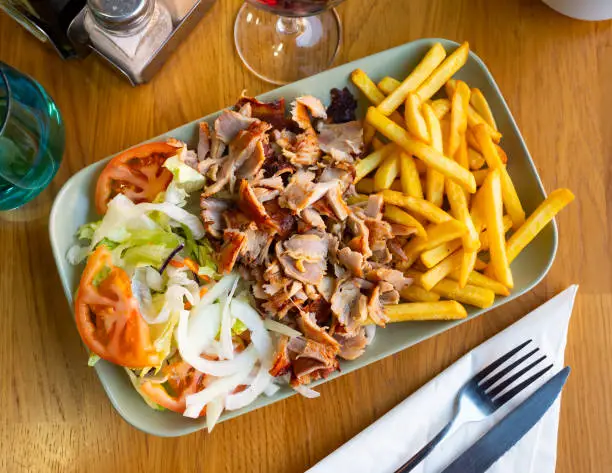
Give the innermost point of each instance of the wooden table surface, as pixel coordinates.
(555, 74)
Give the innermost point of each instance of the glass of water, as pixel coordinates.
(31, 138)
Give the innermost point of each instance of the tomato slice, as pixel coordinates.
(137, 173)
(183, 380)
(108, 317)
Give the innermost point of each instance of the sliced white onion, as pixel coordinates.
(306, 391)
(222, 286)
(153, 279)
(220, 387)
(213, 411)
(177, 214)
(247, 396)
(204, 322)
(174, 303)
(271, 389)
(370, 333)
(281, 328)
(244, 361)
(260, 337)
(227, 347)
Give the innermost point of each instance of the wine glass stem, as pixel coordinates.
(288, 26)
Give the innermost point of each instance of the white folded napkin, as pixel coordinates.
(394, 438)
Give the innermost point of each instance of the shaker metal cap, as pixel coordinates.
(121, 15)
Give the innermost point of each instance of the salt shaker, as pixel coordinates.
(128, 32)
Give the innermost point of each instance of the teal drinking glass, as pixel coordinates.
(31, 138)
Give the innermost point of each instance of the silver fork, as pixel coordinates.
(482, 395)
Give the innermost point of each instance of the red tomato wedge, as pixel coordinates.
(108, 317)
(183, 380)
(136, 173)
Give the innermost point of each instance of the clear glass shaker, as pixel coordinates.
(128, 32)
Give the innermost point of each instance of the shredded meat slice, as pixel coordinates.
(361, 233)
(345, 297)
(342, 141)
(305, 271)
(301, 192)
(284, 221)
(375, 307)
(212, 210)
(351, 260)
(326, 288)
(311, 217)
(234, 243)
(240, 149)
(374, 206)
(305, 150)
(252, 207)
(203, 141)
(336, 202)
(281, 364)
(300, 108)
(391, 276)
(264, 194)
(399, 230)
(230, 123)
(271, 112)
(253, 164)
(309, 327)
(344, 177)
(352, 345)
(257, 245)
(306, 247)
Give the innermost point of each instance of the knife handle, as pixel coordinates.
(426, 450)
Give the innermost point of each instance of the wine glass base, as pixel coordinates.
(280, 49)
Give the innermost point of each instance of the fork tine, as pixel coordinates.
(496, 377)
(500, 401)
(485, 372)
(507, 382)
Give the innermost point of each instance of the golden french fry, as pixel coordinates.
(366, 185)
(467, 265)
(424, 152)
(471, 140)
(387, 172)
(480, 280)
(369, 133)
(440, 310)
(471, 295)
(440, 107)
(366, 165)
(484, 236)
(422, 71)
(479, 176)
(373, 94)
(416, 293)
(493, 210)
(388, 85)
(461, 156)
(432, 257)
(411, 182)
(475, 159)
(376, 142)
(417, 206)
(480, 104)
(545, 212)
(474, 118)
(434, 275)
(420, 166)
(434, 184)
(443, 73)
(397, 215)
(458, 122)
(355, 199)
(415, 123)
(459, 210)
(511, 199)
(436, 235)
(480, 265)
(502, 154)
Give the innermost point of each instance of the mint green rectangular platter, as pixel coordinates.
(74, 206)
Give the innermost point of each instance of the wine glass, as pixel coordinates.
(282, 41)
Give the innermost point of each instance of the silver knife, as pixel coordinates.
(497, 441)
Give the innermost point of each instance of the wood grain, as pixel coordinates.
(555, 75)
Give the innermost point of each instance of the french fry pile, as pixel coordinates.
(440, 169)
